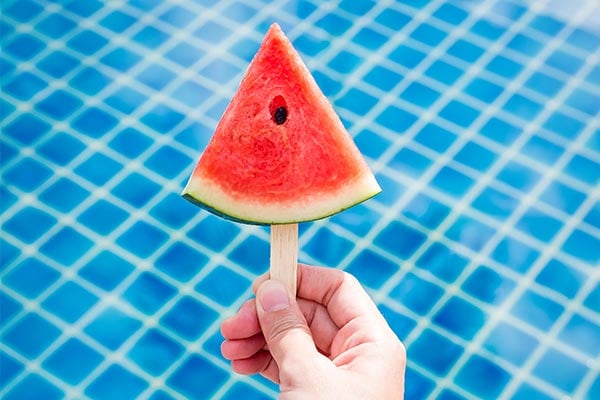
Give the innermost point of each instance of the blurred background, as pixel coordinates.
(480, 120)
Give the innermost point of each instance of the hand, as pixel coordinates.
(329, 343)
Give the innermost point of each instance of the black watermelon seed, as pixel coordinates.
(280, 115)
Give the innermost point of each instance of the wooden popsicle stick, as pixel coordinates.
(284, 254)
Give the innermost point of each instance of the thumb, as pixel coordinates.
(283, 326)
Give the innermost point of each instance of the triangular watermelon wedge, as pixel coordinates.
(280, 153)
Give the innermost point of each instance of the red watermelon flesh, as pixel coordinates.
(280, 153)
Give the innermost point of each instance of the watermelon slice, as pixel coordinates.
(280, 153)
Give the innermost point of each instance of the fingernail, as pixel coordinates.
(273, 296)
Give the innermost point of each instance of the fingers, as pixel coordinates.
(260, 363)
(243, 324)
(242, 348)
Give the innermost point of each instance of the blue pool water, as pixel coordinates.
(481, 120)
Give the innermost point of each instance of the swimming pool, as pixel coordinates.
(479, 118)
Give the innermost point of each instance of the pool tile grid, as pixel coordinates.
(453, 53)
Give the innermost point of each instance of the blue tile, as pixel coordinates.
(30, 278)
(177, 16)
(64, 195)
(145, 5)
(150, 37)
(226, 295)
(583, 245)
(564, 125)
(594, 75)
(148, 293)
(99, 169)
(112, 327)
(500, 131)
(406, 56)
(197, 378)
(584, 101)
(106, 270)
(327, 247)
(181, 262)
(537, 310)
(504, 67)
(24, 46)
(483, 90)
(393, 19)
(401, 324)
(410, 163)
(523, 107)
(24, 86)
(417, 294)
(475, 156)
(525, 45)
(482, 377)
(564, 61)
(212, 32)
(460, 318)
(162, 118)
(519, 176)
(136, 190)
(155, 352)
(452, 182)
(439, 361)
(442, 262)
(130, 142)
(370, 39)
(539, 149)
(59, 105)
(103, 217)
(417, 386)
(85, 9)
(26, 128)
(73, 361)
(510, 343)
(33, 386)
(214, 233)
(425, 210)
(173, 211)
(220, 71)
(27, 175)
(66, 246)
(94, 122)
(371, 144)
(6, 108)
(562, 197)
(459, 113)
(117, 21)
(583, 39)
(356, 101)
(420, 95)
(357, 8)
(10, 368)
(8, 153)
(87, 42)
(58, 64)
(20, 225)
(167, 161)
(539, 224)
(528, 392)
(23, 11)
(189, 318)
(345, 62)
(488, 29)
(191, 93)
(328, 85)
(241, 390)
(160, 395)
(359, 222)
(594, 390)
(495, 203)
(308, 44)
(448, 394)
(400, 240)
(544, 84)
(450, 13)
(10, 307)
(515, 254)
(396, 119)
(126, 100)
(142, 239)
(7, 196)
(435, 137)
(582, 334)
(333, 23)
(470, 232)
(90, 81)
(465, 50)
(155, 77)
(593, 216)
(299, 8)
(69, 302)
(61, 148)
(30, 335)
(428, 34)
(561, 278)
(443, 72)
(116, 382)
(567, 377)
(489, 286)
(391, 190)
(584, 169)
(372, 269)
(547, 24)
(121, 59)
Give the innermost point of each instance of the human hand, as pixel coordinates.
(329, 343)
